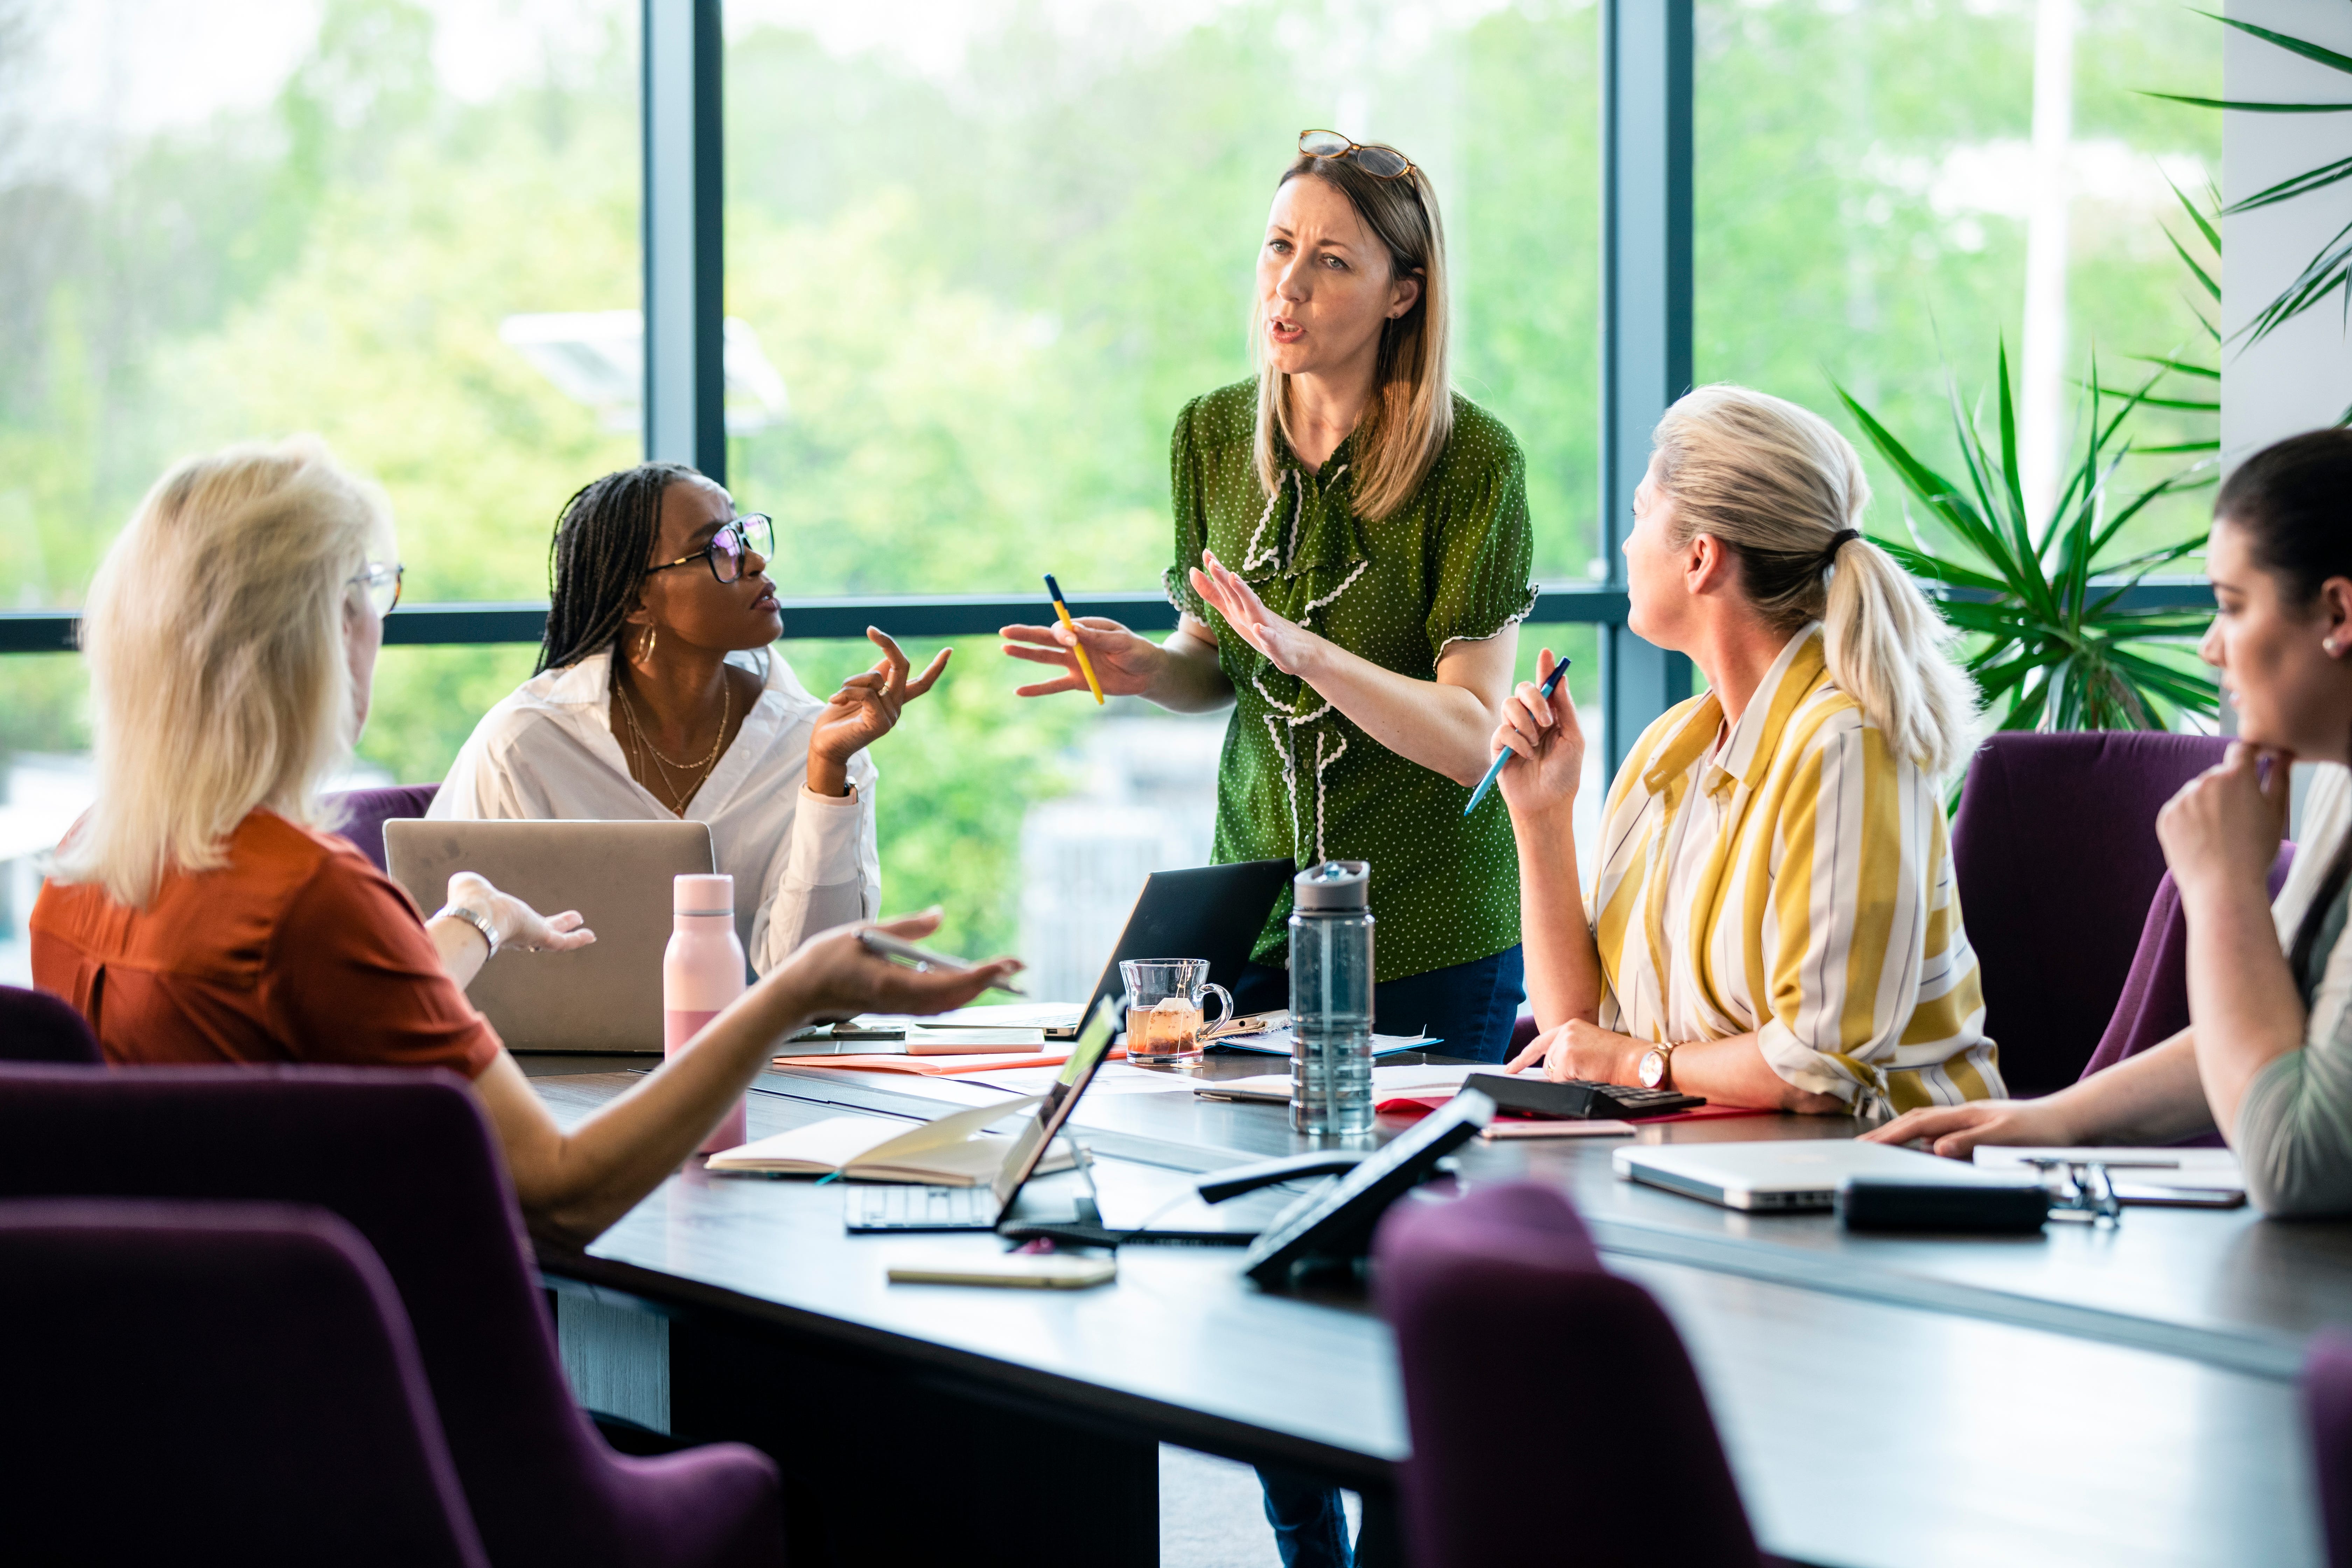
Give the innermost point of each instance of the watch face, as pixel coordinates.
(1653, 1069)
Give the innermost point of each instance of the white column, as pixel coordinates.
(2041, 434)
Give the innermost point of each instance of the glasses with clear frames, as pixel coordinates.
(1380, 162)
(753, 533)
(381, 581)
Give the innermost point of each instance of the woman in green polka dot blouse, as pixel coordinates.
(1352, 565)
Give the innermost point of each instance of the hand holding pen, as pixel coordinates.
(1541, 728)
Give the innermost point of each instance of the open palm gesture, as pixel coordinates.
(1287, 643)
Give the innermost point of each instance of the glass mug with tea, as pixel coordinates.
(1163, 1007)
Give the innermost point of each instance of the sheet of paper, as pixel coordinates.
(2210, 1169)
(1278, 1043)
(1407, 1079)
(1002, 1015)
(1111, 1078)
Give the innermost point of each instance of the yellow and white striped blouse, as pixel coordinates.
(1792, 878)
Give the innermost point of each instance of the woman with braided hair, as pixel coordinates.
(658, 696)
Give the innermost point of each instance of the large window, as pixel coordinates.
(1874, 178)
(990, 252)
(223, 220)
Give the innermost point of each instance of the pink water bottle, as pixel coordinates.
(703, 972)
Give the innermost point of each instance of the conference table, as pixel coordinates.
(2093, 1396)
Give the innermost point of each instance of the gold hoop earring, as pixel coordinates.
(646, 648)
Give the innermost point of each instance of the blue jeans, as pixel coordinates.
(1470, 1007)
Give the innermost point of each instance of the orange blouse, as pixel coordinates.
(298, 950)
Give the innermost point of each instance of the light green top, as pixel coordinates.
(2294, 1126)
(1298, 779)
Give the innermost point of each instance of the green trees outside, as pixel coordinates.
(987, 292)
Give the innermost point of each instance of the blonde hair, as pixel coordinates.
(1784, 492)
(1410, 416)
(217, 651)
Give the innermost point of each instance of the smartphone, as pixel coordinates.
(883, 945)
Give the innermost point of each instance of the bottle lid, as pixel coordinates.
(1333, 885)
(700, 895)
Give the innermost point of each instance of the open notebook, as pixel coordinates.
(954, 1151)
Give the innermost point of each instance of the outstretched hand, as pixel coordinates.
(1288, 643)
(1125, 664)
(865, 708)
(520, 928)
(843, 978)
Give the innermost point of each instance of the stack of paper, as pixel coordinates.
(1274, 1087)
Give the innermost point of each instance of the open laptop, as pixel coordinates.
(1207, 911)
(899, 1207)
(606, 997)
(1792, 1174)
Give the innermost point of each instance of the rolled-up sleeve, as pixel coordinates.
(2294, 1132)
(1872, 990)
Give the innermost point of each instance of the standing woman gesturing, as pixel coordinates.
(1351, 562)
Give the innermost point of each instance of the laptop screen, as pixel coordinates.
(1085, 1055)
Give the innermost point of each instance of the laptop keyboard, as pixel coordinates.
(898, 1207)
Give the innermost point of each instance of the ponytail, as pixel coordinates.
(1783, 493)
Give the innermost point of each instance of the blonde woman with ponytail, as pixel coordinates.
(1773, 922)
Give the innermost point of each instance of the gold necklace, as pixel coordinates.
(701, 773)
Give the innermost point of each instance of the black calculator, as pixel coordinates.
(1529, 1094)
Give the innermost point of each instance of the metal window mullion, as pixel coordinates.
(682, 232)
(1645, 314)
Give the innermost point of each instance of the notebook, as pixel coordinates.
(953, 1151)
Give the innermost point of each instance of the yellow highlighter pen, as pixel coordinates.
(1085, 665)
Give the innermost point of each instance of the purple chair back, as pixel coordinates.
(1629, 1428)
(254, 1356)
(2155, 1003)
(2055, 854)
(2327, 1408)
(407, 1158)
(366, 811)
(36, 1027)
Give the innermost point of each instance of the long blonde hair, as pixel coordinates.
(1410, 416)
(1784, 492)
(215, 645)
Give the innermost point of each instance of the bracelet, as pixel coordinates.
(477, 920)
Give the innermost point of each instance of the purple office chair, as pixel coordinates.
(252, 1364)
(2154, 1006)
(2327, 1409)
(1628, 1429)
(406, 1157)
(36, 1027)
(2055, 854)
(366, 811)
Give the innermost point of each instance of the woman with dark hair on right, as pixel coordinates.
(2267, 1057)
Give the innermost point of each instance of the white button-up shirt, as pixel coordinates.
(547, 753)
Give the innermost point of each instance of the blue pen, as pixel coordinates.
(1551, 684)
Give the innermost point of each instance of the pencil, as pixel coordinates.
(1085, 665)
(1494, 771)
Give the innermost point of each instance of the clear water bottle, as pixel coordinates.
(1331, 998)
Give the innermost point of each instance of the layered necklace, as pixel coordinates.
(664, 769)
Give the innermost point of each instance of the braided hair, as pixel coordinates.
(604, 538)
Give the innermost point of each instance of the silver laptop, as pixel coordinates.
(606, 997)
(1792, 1174)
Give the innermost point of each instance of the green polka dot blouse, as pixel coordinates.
(1298, 779)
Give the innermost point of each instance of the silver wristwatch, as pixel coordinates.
(475, 917)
